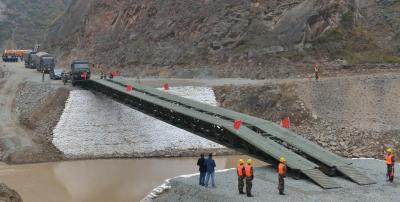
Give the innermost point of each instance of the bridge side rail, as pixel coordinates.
(139, 100)
(308, 148)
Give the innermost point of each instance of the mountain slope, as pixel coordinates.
(24, 22)
(227, 38)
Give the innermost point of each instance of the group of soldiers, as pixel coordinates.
(245, 175)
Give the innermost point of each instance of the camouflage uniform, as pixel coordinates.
(241, 183)
(281, 184)
(249, 182)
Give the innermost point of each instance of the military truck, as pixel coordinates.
(28, 59)
(80, 71)
(43, 61)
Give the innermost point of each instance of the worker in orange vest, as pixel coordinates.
(281, 175)
(390, 165)
(240, 175)
(248, 171)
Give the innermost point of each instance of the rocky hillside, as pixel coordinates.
(354, 116)
(22, 22)
(228, 38)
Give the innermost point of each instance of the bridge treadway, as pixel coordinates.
(256, 137)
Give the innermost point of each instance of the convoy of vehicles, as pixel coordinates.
(45, 63)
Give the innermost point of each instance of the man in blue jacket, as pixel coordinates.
(210, 170)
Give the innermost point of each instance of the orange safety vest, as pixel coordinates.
(247, 169)
(240, 170)
(389, 158)
(281, 169)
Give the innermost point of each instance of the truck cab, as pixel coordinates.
(28, 59)
(80, 71)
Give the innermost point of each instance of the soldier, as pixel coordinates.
(248, 170)
(390, 165)
(240, 174)
(281, 175)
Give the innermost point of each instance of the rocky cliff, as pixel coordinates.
(228, 38)
(22, 23)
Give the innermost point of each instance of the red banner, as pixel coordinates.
(166, 86)
(129, 88)
(285, 122)
(84, 75)
(237, 123)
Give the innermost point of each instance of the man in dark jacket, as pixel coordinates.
(202, 168)
(210, 170)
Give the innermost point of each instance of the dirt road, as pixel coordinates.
(17, 143)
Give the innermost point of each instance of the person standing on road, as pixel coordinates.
(210, 170)
(202, 168)
(316, 70)
(240, 174)
(248, 170)
(281, 175)
(390, 165)
(43, 76)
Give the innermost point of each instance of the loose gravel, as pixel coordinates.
(94, 126)
(265, 187)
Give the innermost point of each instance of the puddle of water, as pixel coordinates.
(100, 180)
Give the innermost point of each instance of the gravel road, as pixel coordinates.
(20, 143)
(265, 183)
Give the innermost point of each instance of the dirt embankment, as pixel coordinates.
(354, 116)
(9, 195)
(39, 107)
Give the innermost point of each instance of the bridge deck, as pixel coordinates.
(265, 137)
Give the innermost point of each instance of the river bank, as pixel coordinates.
(122, 180)
(265, 187)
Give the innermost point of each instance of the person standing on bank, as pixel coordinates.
(202, 168)
(210, 170)
(240, 175)
(281, 175)
(248, 171)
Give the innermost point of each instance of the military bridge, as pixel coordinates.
(256, 137)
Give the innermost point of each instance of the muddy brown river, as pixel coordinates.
(99, 180)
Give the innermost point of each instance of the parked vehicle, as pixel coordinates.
(56, 73)
(80, 71)
(28, 59)
(43, 62)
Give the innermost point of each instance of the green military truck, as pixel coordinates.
(28, 59)
(80, 71)
(43, 62)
